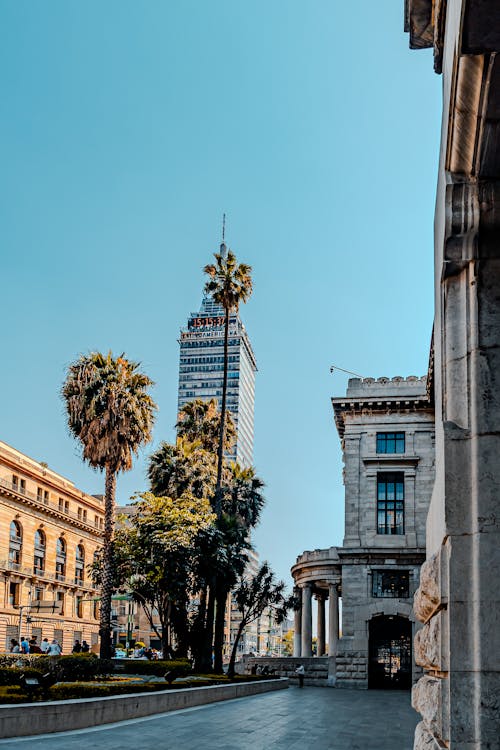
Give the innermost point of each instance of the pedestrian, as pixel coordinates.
(34, 647)
(77, 647)
(14, 646)
(85, 647)
(300, 672)
(25, 646)
(44, 646)
(54, 648)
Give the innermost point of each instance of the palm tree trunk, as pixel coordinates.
(107, 563)
(208, 636)
(232, 660)
(220, 616)
(220, 451)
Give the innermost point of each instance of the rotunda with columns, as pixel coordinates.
(317, 575)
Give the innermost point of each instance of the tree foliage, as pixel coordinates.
(111, 413)
(157, 551)
(255, 594)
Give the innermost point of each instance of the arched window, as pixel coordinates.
(79, 564)
(15, 545)
(39, 558)
(60, 559)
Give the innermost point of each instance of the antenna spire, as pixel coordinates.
(223, 248)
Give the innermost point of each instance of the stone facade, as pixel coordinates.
(50, 531)
(387, 431)
(458, 600)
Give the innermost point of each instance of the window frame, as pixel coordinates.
(383, 440)
(383, 504)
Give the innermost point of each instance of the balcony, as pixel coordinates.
(47, 505)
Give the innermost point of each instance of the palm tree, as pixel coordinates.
(229, 284)
(199, 421)
(112, 415)
(184, 467)
(242, 505)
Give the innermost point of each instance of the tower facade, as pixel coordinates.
(201, 370)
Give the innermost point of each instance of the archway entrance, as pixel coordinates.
(389, 653)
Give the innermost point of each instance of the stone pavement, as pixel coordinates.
(294, 719)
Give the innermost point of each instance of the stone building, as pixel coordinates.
(387, 432)
(458, 600)
(49, 532)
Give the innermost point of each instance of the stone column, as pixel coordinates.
(333, 620)
(306, 648)
(297, 635)
(321, 625)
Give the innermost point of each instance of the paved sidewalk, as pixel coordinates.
(294, 719)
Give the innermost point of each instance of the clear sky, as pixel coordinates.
(128, 128)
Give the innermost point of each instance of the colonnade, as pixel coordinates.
(302, 645)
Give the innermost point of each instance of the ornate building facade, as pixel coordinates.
(458, 601)
(49, 532)
(386, 429)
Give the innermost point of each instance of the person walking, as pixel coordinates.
(34, 647)
(44, 646)
(14, 646)
(77, 647)
(25, 646)
(300, 672)
(54, 649)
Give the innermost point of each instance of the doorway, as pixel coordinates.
(389, 653)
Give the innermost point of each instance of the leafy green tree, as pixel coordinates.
(253, 596)
(242, 505)
(111, 414)
(156, 556)
(229, 284)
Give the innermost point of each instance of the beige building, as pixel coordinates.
(49, 532)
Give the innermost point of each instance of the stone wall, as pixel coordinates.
(316, 668)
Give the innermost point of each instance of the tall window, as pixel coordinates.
(60, 601)
(78, 606)
(39, 558)
(15, 545)
(390, 442)
(79, 564)
(390, 503)
(14, 597)
(60, 559)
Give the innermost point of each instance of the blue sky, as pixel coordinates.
(128, 128)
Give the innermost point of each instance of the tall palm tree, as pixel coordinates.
(242, 504)
(229, 284)
(112, 415)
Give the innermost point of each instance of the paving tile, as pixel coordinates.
(294, 719)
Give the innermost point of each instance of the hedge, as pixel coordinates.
(158, 668)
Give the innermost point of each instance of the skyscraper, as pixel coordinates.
(201, 370)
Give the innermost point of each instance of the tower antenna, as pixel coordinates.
(223, 226)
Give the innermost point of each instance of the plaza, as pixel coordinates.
(292, 719)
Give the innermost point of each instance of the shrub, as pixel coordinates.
(159, 668)
(11, 675)
(78, 667)
(12, 694)
(81, 690)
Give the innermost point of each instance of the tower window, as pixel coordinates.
(390, 503)
(390, 442)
